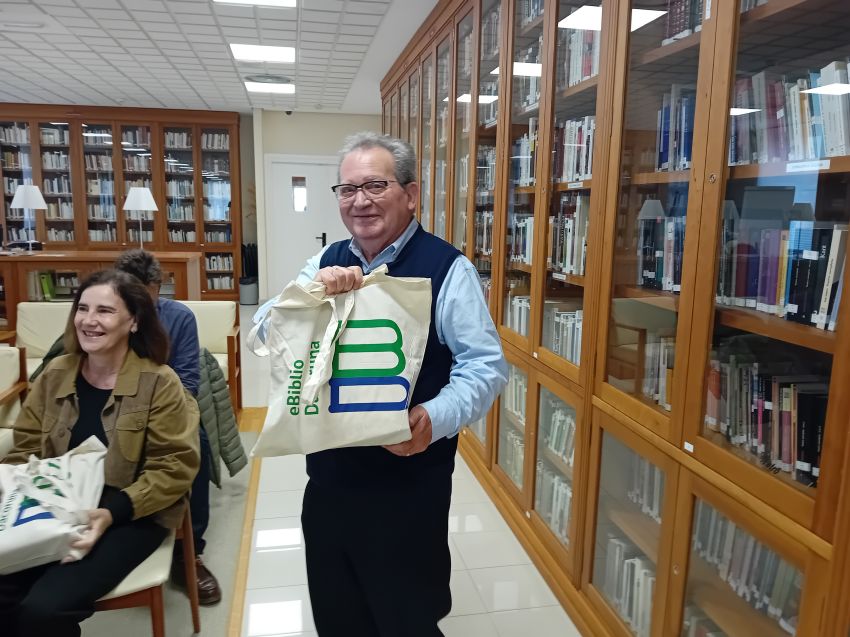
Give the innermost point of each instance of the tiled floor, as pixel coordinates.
(496, 590)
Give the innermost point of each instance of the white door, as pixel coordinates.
(300, 210)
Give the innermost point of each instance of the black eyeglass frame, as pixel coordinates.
(384, 182)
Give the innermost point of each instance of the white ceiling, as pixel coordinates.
(175, 53)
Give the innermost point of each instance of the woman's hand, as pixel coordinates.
(99, 521)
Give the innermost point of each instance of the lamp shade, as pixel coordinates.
(28, 196)
(651, 209)
(139, 198)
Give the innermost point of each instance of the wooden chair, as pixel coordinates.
(144, 585)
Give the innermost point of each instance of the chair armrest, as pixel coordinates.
(8, 336)
(16, 390)
(234, 368)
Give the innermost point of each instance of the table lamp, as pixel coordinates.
(28, 197)
(140, 198)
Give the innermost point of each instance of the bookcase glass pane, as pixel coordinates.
(427, 154)
(479, 429)
(179, 187)
(387, 123)
(413, 111)
(782, 245)
(404, 117)
(485, 167)
(462, 130)
(737, 585)
(215, 174)
(393, 130)
(55, 143)
(556, 437)
(441, 151)
(578, 44)
(527, 70)
(219, 270)
(653, 199)
(4, 311)
(628, 529)
(511, 455)
(16, 148)
(136, 159)
(101, 201)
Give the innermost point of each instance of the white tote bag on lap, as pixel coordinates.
(343, 367)
(44, 505)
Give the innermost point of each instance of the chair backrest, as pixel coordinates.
(39, 324)
(10, 374)
(215, 321)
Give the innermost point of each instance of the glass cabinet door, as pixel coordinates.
(656, 154)
(387, 122)
(136, 158)
(215, 173)
(404, 116)
(512, 409)
(179, 190)
(413, 112)
(462, 130)
(556, 442)
(577, 55)
(527, 70)
(737, 586)
(427, 152)
(780, 255)
(628, 531)
(441, 151)
(394, 114)
(55, 145)
(16, 166)
(101, 202)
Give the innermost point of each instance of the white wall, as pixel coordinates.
(249, 182)
(277, 133)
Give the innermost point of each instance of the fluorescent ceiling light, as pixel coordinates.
(259, 53)
(263, 87)
(97, 135)
(261, 3)
(466, 98)
(58, 123)
(525, 69)
(830, 89)
(588, 18)
(734, 112)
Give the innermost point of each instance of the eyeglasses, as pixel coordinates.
(370, 188)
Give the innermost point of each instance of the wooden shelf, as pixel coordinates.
(576, 89)
(219, 271)
(526, 111)
(659, 298)
(826, 165)
(558, 462)
(213, 150)
(57, 220)
(483, 257)
(513, 420)
(182, 221)
(524, 190)
(654, 55)
(777, 328)
(642, 530)
(773, 7)
(564, 186)
(563, 277)
(518, 266)
(664, 177)
(536, 23)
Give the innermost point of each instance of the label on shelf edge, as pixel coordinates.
(575, 184)
(811, 255)
(802, 166)
(560, 276)
(689, 447)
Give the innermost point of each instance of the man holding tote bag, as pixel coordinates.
(387, 573)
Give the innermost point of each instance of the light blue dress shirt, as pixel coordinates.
(479, 370)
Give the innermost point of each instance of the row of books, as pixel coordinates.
(101, 211)
(558, 426)
(98, 187)
(562, 329)
(486, 169)
(465, 56)
(134, 235)
(180, 212)
(513, 397)
(484, 231)
(211, 141)
(144, 215)
(48, 285)
(462, 174)
(15, 134)
(661, 246)
(489, 112)
(682, 18)
(178, 139)
(675, 128)
(59, 234)
(568, 226)
(578, 55)
(629, 583)
(219, 282)
(136, 137)
(217, 212)
(659, 355)
(512, 453)
(553, 495)
(695, 623)
(103, 235)
(56, 160)
(518, 313)
(526, 89)
(783, 122)
(439, 179)
(572, 159)
(216, 164)
(138, 182)
(753, 570)
(10, 184)
(774, 408)
(219, 262)
(443, 126)
(179, 188)
(59, 209)
(220, 236)
(16, 160)
(59, 185)
(20, 234)
(523, 154)
(55, 136)
(486, 281)
(529, 10)
(490, 32)
(646, 486)
(177, 235)
(521, 237)
(794, 272)
(137, 163)
(96, 161)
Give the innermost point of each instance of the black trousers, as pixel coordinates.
(378, 562)
(53, 599)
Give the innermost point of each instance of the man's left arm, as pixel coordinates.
(185, 352)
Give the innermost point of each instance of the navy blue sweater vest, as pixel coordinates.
(423, 256)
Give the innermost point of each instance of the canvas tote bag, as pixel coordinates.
(44, 504)
(343, 367)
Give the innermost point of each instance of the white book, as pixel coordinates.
(836, 255)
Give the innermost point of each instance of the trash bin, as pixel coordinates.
(249, 290)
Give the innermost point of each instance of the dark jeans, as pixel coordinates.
(53, 599)
(199, 500)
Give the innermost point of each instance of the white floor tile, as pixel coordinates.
(279, 504)
(286, 473)
(457, 560)
(462, 471)
(469, 626)
(550, 621)
(274, 611)
(277, 554)
(468, 491)
(465, 597)
(512, 587)
(491, 548)
(475, 517)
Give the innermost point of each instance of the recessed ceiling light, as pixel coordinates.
(260, 53)
(262, 87)
(588, 18)
(525, 69)
(830, 89)
(261, 3)
(734, 111)
(268, 78)
(58, 123)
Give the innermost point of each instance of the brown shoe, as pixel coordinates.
(209, 592)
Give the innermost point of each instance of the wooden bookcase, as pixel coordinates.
(659, 213)
(189, 160)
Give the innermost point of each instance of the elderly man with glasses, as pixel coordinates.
(375, 519)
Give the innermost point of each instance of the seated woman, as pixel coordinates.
(115, 385)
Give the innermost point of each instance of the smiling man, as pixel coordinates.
(375, 519)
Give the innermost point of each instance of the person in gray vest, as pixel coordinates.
(375, 519)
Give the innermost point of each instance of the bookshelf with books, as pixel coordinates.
(102, 198)
(17, 169)
(675, 278)
(57, 178)
(443, 109)
(404, 112)
(464, 112)
(426, 153)
(414, 111)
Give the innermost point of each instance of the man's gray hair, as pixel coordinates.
(402, 152)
